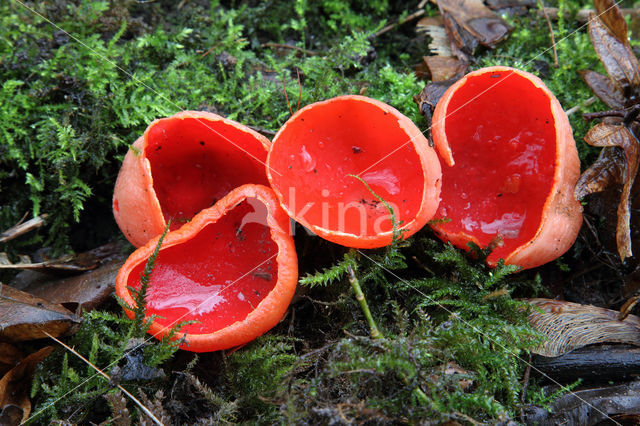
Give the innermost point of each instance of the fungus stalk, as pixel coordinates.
(355, 284)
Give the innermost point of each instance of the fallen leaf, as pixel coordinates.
(80, 292)
(605, 88)
(16, 384)
(24, 317)
(428, 98)
(609, 135)
(475, 18)
(614, 52)
(568, 326)
(10, 356)
(605, 172)
(443, 68)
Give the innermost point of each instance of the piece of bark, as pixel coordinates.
(568, 326)
(593, 363)
(81, 292)
(25, 317)
(16, 384)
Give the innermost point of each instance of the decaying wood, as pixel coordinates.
(587, 407)
(568, 326)
(600, 363)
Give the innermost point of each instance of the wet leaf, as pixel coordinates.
(24, 317)
(15, 386)
(85, 291)
(475, 18)
(609, 135)
(616, 55)
(604, 88)
(569, 326)
(605, 172)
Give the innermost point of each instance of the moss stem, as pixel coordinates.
(355, 285)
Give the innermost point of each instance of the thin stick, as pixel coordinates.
(553, 39)
(126, 392)
(299, 89)
(355, 285)
(576, 108)
(289, 46)
(389, 27)
(284, 89)
(22, 228)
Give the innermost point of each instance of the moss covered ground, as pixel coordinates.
(80, 81)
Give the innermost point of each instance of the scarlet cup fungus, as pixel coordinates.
(233, 269)
(181, 165)
(512, 167)
(316, 150)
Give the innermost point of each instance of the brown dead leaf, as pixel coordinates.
(615, 53)
(476, 19)
(24, 317)
(443, 68)
(9, 357)
(80, 292)
(569, 326)
(15, 385)
(605, 172)
(612, 17)
(604, 88)
(609, 135)
(428, 98)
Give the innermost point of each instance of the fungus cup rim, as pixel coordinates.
(431, 174)
(561, 216)
(268, 312)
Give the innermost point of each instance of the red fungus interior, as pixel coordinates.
(324, 144)
(502, 135)
(217, 277)
(193, 164)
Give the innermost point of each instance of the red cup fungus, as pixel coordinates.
(316, 150)
(181, 165)
(512, 167)
(232, 268)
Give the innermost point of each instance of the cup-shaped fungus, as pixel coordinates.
(181, 165)
(512, 166)
(318, 151)
(232, 270)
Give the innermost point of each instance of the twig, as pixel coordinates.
(553, 39)
(575, 108)
(389, 27)
(355, 284)
(525, 381)
(289, 46)
(284, 89)
(582, 16)
(22, 228)
(262, 130)
(600, 114)
(106, 376)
